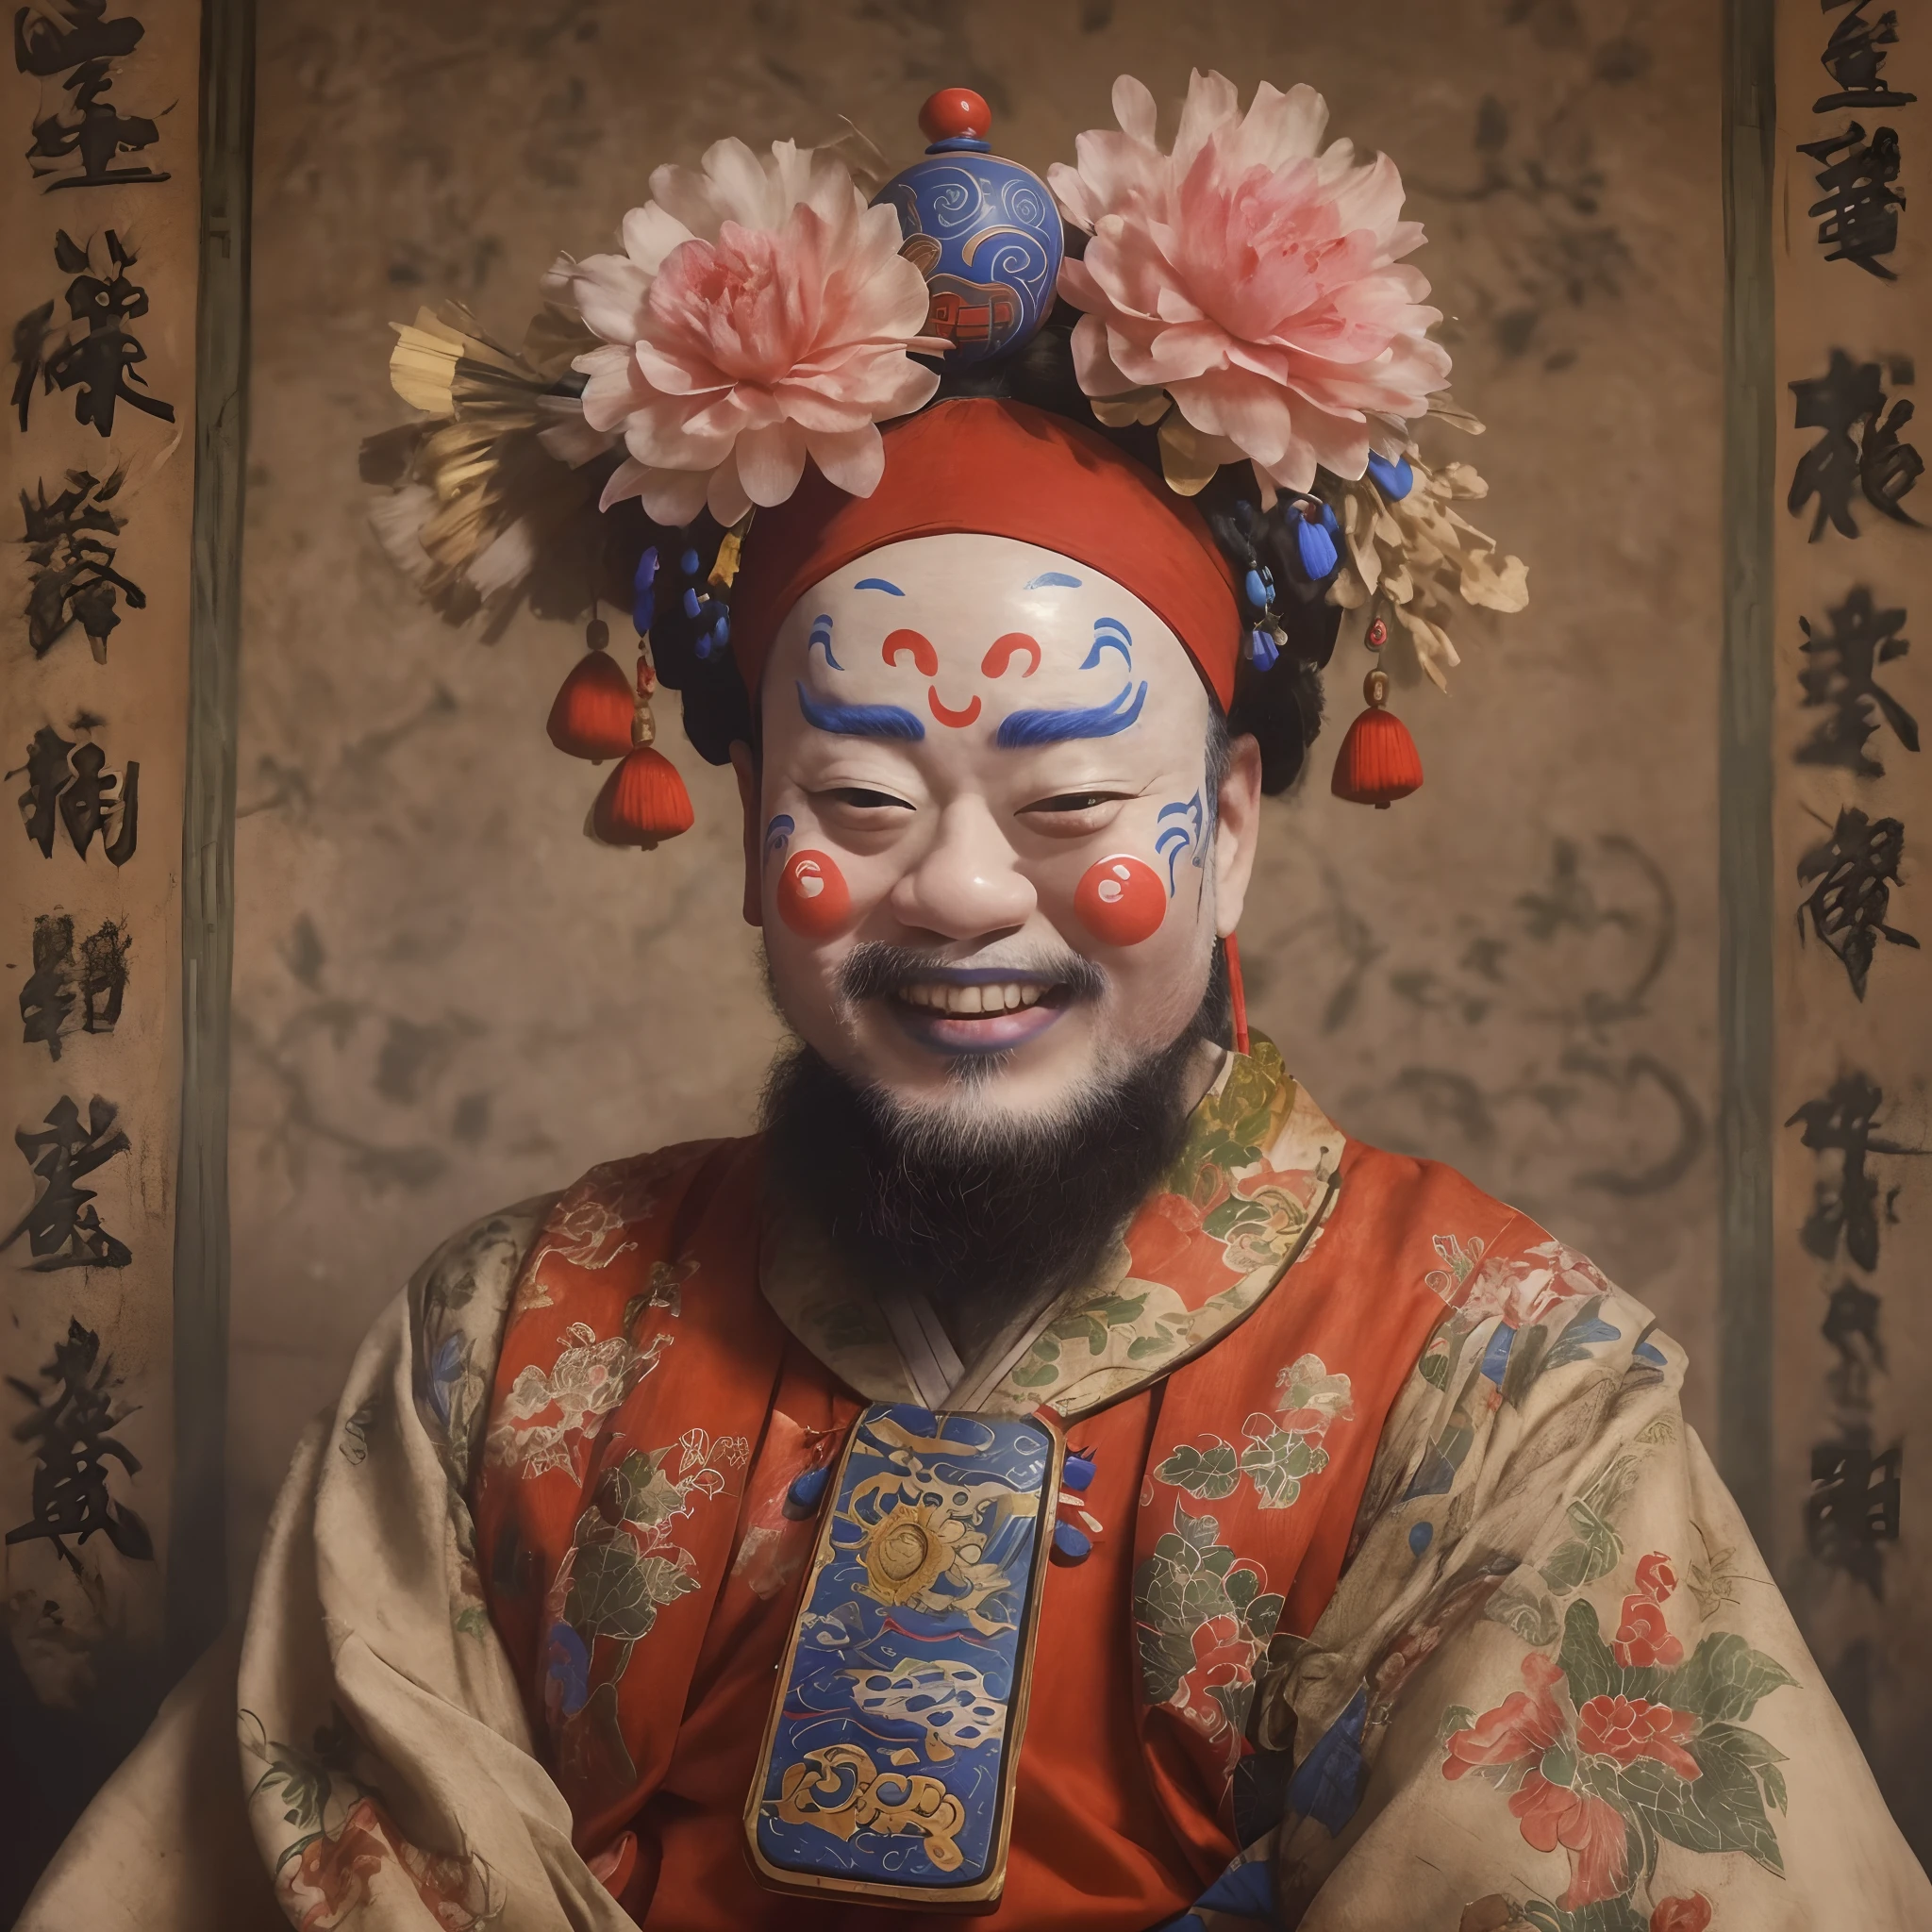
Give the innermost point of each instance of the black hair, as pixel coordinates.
(1279, 706)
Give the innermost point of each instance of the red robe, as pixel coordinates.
(1230, 1382)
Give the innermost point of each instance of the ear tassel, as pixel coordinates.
(598, 714)
(1379, 761)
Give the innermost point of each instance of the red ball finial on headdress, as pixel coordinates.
(955, 113)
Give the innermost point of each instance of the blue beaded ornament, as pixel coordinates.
(982, 230)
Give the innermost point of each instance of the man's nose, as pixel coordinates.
(967, 883)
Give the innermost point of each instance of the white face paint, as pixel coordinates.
(992, 757)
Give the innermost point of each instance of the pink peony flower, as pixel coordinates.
(1255, 277)
(760, 314)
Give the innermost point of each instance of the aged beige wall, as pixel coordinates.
(446, 998)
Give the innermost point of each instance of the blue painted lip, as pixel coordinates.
(963, 1036)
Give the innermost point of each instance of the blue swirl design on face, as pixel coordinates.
(822, 637)
(861, 721)
(1110, 634)
(1024, 729)
(879, 584)
(1051, 580)
(778, 834)
(1184, 836)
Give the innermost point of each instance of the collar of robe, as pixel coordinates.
(1246, 1198)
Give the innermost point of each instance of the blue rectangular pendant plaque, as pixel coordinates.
(891, 1747)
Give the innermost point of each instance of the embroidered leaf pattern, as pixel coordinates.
(1533, 1619)
(1723, 1679)
(1276, 1464)
(1210, 1474)
(1189, 1580)
(1594, 1548)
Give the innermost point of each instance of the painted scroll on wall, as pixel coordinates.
(1852, 833)
(99, 204)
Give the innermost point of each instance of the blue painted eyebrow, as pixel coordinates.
(861, 721)
(1053, 580)
(1110, 634)
(879, 584)
(1021, 729)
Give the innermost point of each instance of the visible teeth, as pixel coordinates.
(972, 999)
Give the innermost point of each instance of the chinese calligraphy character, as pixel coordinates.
(70, 549)
(79, 131)
(1844, 1122)
(1852, 1318)
(1854, 870)
(1875, 459)
(1855, 57)
(1858, 209)
(81, 796)
(63, 1227)
(93, 353)
(69, 1428)
(1852, 1507)
(1842, 678)
(48, 999)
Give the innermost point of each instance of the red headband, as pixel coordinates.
(998, 469)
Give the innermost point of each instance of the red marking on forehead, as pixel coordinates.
(1120, 901)
(1000, 653)
(958, 720)
(813, 898)
(900, 641)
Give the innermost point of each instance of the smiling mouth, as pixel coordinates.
(976, 1012)
(973, 1001)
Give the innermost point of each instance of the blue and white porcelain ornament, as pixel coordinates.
(982, 230)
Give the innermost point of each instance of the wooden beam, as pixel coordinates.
(1745, 1127)
(198, 1543)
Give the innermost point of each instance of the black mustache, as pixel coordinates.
(876, 971)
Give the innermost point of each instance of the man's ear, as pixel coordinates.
(1237, 832)
(748, 790)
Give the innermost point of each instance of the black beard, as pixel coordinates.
(988, 1218)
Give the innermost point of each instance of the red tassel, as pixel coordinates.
(592, 712)
(1237, 993)
(642, 801)
(1378, 763)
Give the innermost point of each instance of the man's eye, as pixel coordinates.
(1077, 801)
(857, 795)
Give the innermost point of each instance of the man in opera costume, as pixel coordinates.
(1051, 1467)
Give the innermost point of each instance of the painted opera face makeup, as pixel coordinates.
(990, 761)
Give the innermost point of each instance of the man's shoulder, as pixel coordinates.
(585, 1222)
(1486, 1258)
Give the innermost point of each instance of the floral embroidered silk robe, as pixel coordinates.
(1412, 1603)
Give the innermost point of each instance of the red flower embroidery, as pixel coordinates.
(1165, 1243)
(1657, 1576)
(1523, 1726)
(1641, 1637)
(1591, 1830)
(1627, 1729)
(1690, 1914)
(330, 1877)
(1224, 1657)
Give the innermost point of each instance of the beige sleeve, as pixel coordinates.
(1557, 1689)
(358, 1754)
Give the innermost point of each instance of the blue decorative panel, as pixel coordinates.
(889, 1755)
(987, 237)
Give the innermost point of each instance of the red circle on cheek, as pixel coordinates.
(1120, 901)
(813, 898)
